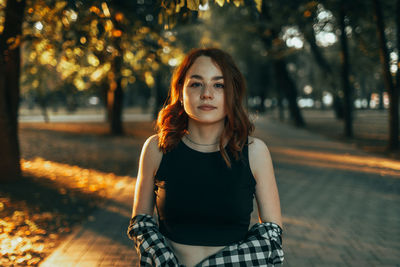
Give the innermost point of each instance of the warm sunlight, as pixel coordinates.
(340, 161)
(89, 180)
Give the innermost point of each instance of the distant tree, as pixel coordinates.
(269, 29)
(345, 71)
(387, 77)
(307, 23)
(398, 47)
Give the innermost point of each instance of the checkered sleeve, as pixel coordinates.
(150, 244)
(269, 236)
(261, 247)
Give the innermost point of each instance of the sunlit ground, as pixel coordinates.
(78, 165)
(87, 180)
(365, 164)
(23, 233)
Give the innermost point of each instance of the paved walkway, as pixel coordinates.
(340, 206)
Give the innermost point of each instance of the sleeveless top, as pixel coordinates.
(200, 201)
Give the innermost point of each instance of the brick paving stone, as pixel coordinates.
(336, 212)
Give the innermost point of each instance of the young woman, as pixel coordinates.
(201, 171)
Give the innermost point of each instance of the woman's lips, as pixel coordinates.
(206, 107)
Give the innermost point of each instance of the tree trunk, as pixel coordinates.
(381, 89)
(397, 88)
(347, 88)
(387, 77)
(261, 106)
(10, 38)
(281, 108)
(286, 83)
(115, 98)
(158, 95)
(45, 113)
(115, 92)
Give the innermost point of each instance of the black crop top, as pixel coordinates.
(200, 201)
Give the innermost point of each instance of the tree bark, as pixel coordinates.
(10, 38)
(281, 108)
(158, 95)
(397, 88)
(347, 88)
(286, 83)
(387, 78)
(115, 93)
(115, 99)
(381, 89)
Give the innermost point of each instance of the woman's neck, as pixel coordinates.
(204, 134)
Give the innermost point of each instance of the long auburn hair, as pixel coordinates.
(172, 121)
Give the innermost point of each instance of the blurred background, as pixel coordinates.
(119, 55)
(81, 83)
(115, 58)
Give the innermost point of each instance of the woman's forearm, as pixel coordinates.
(150, 244)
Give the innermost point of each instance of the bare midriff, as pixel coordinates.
(189, 255)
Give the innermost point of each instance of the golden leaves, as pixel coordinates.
(106, 11)
(14, 42)
(220, 2)
(60, 5)
(258, 5)
(117, 33)
(179, 6)
(95, 10)
(119, 16)
(21, 239)
(149, 78)
(108, 26)
(193, 4)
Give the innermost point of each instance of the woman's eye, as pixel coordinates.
(195, 84)
(219, 85)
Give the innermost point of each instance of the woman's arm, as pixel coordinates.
(150, 244)
(149, 162)
(267, 233)
(266, 190)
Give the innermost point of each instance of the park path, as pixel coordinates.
(340, 207)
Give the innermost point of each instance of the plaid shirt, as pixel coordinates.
(261, 247)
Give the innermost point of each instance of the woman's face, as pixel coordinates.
(203, 92)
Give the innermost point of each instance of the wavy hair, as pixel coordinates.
(172, 120)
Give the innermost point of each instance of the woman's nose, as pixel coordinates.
(207, 92)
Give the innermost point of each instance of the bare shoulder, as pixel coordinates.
(257, 146)
(259, 156)
(151, 154)
(151, 143)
